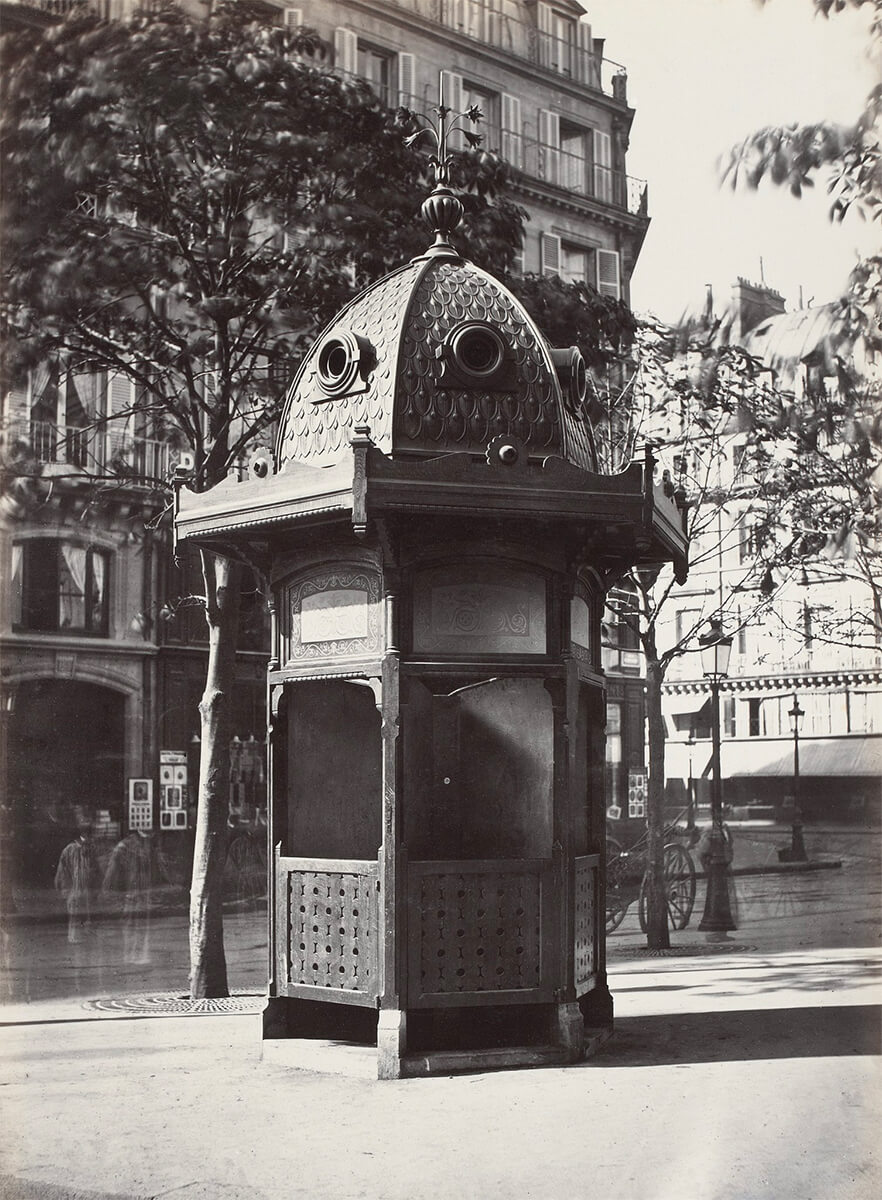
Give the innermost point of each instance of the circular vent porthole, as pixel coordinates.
(477, 350)
(344, 363)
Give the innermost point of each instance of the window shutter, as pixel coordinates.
(585, 63)
(453, 13)
(549, 145)
(512, 140)
(545, 25)
(602, 166)
(17, 402)
(293, 18)
(475, 12)
(450, 89)
(550, 254)
(120, 394)
(346, 50)
(608, 274)
(405, 80)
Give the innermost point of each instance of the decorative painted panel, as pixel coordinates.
(332, 613)
(330, 934)
(585, 922)
(474, 931)
(484, 611)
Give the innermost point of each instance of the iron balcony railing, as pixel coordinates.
(563, 168)
(103, 451)
(560, 166)
(498, 23)
(52, 8)
(108, 452)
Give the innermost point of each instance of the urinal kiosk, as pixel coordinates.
(439, 544)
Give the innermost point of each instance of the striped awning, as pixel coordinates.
(837, 758)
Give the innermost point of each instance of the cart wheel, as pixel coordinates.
(679, 871)
(616, 900)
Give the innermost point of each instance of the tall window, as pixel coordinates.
(557, 39)
(376, 66)
(749, 546)
(390, 74)
(686, 623)
(575, 158)
(60, 587)
(575, 263)
(488, 102)
(613, 754)
(582, 264)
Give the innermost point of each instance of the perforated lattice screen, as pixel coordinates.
(333, 930)
(584, 920)
(478, 932)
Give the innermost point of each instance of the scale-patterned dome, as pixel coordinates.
(435, 358)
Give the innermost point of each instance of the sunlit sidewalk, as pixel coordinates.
(729, 1076)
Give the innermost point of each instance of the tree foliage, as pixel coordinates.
(701, 409)
(849, 157)
(187, 202)
(829, 469)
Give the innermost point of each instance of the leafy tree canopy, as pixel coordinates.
(187, 202)
(849, 157)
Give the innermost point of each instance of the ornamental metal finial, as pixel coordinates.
(442, 209)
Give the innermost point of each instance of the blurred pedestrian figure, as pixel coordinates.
(134, 870)
(703, 848)
(76, 877)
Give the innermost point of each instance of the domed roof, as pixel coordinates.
(437, 357)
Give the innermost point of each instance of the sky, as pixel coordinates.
(702, 75)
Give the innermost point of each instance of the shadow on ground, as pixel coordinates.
(12, 1188)
(689, 1038)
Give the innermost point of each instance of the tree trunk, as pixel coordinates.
(208, 967)
(657, 932)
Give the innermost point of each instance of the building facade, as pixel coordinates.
(101, 668)
(813, 655)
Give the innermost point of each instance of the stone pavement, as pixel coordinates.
(732, 1075)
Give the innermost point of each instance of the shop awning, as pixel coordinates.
(845, 756)
(684, 712)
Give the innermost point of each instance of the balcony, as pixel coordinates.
(583, 178)
(19, 13)
(98, 452)
(497, 23)
(572, 172)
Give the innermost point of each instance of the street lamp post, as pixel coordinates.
(717, 917)
(797, 843)
(690, 787)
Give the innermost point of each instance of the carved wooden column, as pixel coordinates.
(569, 1024)
(276, 1011)
(392, 1021)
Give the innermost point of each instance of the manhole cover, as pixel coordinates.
(168, 1005)
(681, 951)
